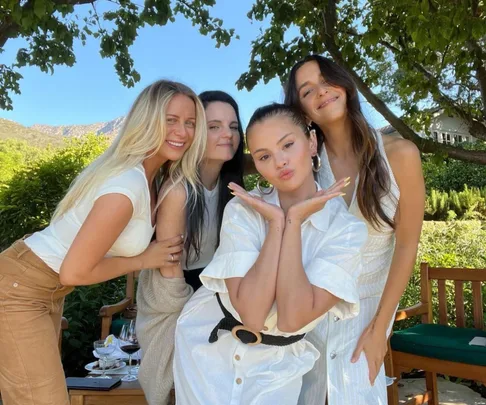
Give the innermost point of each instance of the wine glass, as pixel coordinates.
(103, 349)
(129, 344)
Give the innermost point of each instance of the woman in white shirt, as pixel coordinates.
(162, 295)
(101, 229)
(387, 192)
(289, 250)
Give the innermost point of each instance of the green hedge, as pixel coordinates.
(449, 174)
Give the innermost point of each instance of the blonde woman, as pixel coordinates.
(100, 230)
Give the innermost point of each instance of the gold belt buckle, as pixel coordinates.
(258, 335)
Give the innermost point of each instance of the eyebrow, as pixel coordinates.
(175, 115)
(302, 85)
(220, 122)
(280, 140)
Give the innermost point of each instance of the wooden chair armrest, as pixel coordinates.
(110, 310)
(414, 310)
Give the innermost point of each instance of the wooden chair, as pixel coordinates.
(439, 348)
(125, 305)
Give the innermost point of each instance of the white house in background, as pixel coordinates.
(444, 129)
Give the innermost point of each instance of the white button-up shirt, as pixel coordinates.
(230, 372)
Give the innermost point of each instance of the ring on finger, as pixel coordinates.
(171, 257)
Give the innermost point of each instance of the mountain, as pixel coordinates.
(12, 129)
(109, 128)
(42, 135)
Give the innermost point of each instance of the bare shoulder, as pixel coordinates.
(400, 153)
(175, 197)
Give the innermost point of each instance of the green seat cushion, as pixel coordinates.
(440, 342)
(117, 325)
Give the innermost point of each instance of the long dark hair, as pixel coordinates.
(231, 171)
(374, 178)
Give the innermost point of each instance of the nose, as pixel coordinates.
(323, 89)
(226, 133)
(181, 130)
(281, 160)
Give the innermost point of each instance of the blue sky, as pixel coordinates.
(90, 91)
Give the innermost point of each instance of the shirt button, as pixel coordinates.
(333, 355)
(336, 318)
(15, 284)
(237, 358)
(239, 381)
(265, 328)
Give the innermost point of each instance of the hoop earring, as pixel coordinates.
(316, 163)
(262, 190)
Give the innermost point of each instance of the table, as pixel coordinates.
(128, 393)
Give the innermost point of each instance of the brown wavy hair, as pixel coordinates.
(374, 178)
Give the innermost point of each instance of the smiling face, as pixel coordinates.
(282, 152)
(321, 102)
(223, 136)
(180, 121)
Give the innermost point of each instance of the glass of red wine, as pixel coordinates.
(129, 344)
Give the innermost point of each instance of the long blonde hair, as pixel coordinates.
(142, 135)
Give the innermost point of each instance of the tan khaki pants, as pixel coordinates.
(31, 303)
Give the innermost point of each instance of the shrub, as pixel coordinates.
(450, 174)
(467, 204)
(29, 198)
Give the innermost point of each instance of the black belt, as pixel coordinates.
(245, 335)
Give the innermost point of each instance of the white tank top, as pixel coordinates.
(380, 245)
(209, 237)
(52, 243)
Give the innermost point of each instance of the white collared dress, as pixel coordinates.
(346, 383)
(229, 372)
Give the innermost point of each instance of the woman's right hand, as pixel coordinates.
(271, 212)
(164, 253)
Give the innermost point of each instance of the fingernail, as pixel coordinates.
(232, 193)
(347, 179)
(342, 194)
(347, 183)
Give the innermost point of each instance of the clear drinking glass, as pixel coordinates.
(104, 350)
(129, 344)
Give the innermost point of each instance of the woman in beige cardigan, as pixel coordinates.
(162, 295)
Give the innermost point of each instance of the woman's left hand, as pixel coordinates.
(373, 342)
(304, 209)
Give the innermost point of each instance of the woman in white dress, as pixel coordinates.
(161, 295)
(387, 192)
(287, 256)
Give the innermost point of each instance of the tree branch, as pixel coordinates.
(424, 145)
(479, 57)
(476, 128)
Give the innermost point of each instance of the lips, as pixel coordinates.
(286, 174)
(176, 145)
(327, 102)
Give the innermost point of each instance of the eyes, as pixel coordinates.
(266, 156)
(217, 127)
(189, 123)
(309, 90)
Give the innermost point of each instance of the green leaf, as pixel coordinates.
(40, 8)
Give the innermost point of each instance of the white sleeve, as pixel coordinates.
(130, 184)
(337, 264)
(242, 235)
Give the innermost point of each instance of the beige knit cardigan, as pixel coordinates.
(159, 301)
